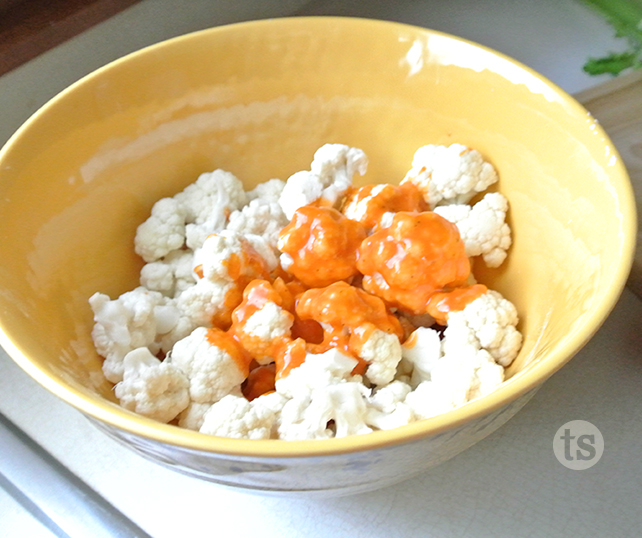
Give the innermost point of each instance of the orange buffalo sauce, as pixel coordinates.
(248, 266)
(386, 198)
(349, 315)
(419, 254)
(260, 381)
(255, 296)
(232, 347)
(343, 305)
(290, 354)
(223, 318)
(308, 329)
(442, 303)
(243, 268)
(323, 245)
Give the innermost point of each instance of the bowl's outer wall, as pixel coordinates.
(258, 99)
(328, 475)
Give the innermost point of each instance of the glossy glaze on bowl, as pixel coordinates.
(258, 99)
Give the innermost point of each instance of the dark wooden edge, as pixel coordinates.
(30, 27)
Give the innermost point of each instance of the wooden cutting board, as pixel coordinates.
(617, 105)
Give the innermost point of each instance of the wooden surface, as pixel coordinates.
(617, 105)
(30, 27)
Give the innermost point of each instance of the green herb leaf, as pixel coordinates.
(613, 63)
(624, 15)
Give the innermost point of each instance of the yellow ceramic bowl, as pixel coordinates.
(257, 99)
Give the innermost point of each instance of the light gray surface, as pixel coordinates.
(16, 520)
(509, 485)
(55, 497)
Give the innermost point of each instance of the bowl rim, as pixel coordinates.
(111, 414)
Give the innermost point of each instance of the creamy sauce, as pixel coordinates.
(259, 381)
(255, 296)
(442, 303)
(387, 198)
(232, 347)
(419, 254)
(323, 245)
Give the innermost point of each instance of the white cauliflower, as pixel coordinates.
(482, 227)
(317, 371)
(208, 202)
(387, 408)
(133, 320)
(193, 415)
(268, 191)
(198, 306)
(461, 375)
(450, 174)
(226, 257)
(335, 410)
(382, 351)
(211, 370)
(329, 178)
(162, 232)
(259, 217)
(171, 275)
(236, 417)
(489, 322)
(155, 389)
(421, 350)
(268, 323)
(322, 390)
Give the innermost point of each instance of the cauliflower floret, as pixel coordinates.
(208, 202)
(260, 323)
(161, 233)
(267, 324)
(266, 251)
(133, 320)
(422, 349)
(320, 245)
(204, 304)
(489, 322)
(322, 390)
(212, 362)
(235, 417)
(387, 408)
(450, 174)
(382, 351)
(171, 275)
(268, 191)
(193, 415)
(259, 218)
(374, 206)
(329, 178)
(317, 371)
(459, 376)
(229, 257)
(482, 227)
(308, 416)
(152, 388)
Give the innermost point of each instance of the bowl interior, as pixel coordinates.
(257, 99)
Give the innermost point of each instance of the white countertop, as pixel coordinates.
(508, 485)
